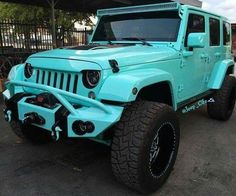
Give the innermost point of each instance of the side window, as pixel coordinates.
(214, 32)
(226, 33)
(196, 24)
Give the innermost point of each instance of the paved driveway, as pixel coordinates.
(206, 163)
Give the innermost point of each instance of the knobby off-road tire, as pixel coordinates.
(28, 132)
(145, 145)
(224, 98)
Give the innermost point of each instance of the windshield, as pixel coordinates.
(150, 26)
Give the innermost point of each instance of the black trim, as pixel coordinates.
(61, 119)
(115, 103)
(114, 65)
(194, 99)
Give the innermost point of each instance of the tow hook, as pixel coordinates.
(55, 132)
(7, 115)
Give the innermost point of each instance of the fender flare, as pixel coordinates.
(118, 87)
(16, 72)
(218, 73)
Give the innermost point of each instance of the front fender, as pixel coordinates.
(218, 73)
(118, 87)
(16, 74)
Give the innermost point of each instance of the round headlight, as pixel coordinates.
(28, 70)
(91, 78)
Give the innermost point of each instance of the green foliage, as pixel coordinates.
(33, 14)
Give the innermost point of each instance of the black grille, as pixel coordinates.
(60, 80)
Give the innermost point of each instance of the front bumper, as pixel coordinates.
(102, 116)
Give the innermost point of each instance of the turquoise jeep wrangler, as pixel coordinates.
(123, 89)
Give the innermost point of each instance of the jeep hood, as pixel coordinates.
(125, 55)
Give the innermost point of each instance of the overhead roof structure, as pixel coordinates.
(91, 6)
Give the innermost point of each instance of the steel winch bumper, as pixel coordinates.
(89, 120)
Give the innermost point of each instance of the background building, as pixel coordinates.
(234, 39)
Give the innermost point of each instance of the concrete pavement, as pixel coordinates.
(206, 163)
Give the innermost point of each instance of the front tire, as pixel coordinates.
(31, 133)
(145, 146)
(224, 100)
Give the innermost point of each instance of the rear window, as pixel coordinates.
(214, 32)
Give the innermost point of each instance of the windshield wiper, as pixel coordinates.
(144, 42)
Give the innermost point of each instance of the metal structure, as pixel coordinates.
(73, 5)
(91, 6)
(19, 40)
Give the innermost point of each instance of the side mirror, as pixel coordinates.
(197, 40)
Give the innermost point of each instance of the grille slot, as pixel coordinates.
(75, 82)
(42, 82)
(55, 80)
(68, 83)
(49, 78)
(63, 81)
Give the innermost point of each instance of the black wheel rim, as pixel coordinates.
(162, 150)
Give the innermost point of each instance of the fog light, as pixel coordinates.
(89, 126)
(81, 128)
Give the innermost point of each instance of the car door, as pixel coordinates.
(194, 64)
(214, 47)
